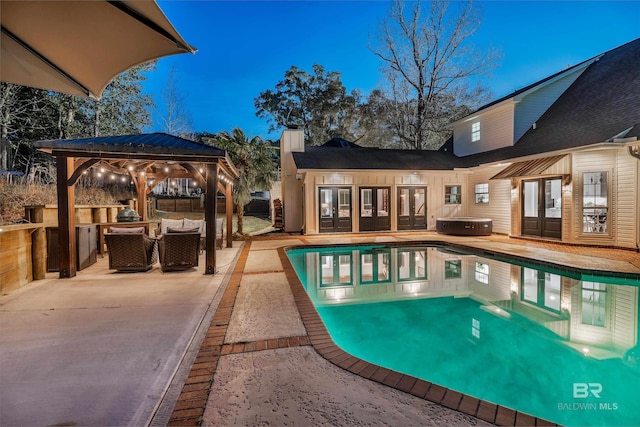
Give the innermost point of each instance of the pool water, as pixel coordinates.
(538, 340)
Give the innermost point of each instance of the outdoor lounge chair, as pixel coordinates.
(179, 251)
(131, 251)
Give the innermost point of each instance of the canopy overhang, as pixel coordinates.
(535, 167)
(78, 47)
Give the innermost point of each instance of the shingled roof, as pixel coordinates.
(602, 103)
(373, 158)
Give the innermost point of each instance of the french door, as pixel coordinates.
(374, 208)
(541, 207)
(412, 208)
(335, 209)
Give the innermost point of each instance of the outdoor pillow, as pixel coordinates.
(173, 223)
(195, 223)
(182, 230)
(126, 230)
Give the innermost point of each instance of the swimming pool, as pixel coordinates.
(549, 342)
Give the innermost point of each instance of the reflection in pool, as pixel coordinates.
(544, 341)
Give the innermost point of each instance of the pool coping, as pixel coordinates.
(324, 345)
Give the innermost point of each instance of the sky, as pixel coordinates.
(245, 47)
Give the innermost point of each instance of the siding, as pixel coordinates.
(623, 188)
(499, 199)
(626, 203)
(496, 131)
(434, 181)
(533, 105)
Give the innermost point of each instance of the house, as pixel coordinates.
(558, 159)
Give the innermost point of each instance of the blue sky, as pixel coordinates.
(244, 47)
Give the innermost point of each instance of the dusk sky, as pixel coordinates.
(245, 47)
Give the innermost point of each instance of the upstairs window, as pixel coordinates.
(475, 132)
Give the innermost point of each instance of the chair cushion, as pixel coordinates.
(182, 230)
(195, 223)
(173, 223)
(127, 230)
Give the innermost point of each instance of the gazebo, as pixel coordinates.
(148, 159)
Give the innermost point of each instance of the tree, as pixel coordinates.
(123, 108)
(25, 115)
(253, 159)
(317, 102)
(428, 64)
(29, 115)
(174, 119)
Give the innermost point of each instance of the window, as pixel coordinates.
(595, 202)
(475, 132)
(366, 195)
(482, 273)
(452, 194)
(594, 301)
(344, 203)
(482, 193)
(453, 269)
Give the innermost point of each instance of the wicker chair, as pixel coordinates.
(179, 251)
(131, 252)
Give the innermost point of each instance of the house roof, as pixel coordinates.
(335, 158)
(601, 104)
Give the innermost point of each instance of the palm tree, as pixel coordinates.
(253, 159)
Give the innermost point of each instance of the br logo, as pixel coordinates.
(583, 390)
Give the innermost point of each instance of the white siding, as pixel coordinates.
(434, 181)
(626, 199)
(622, 170)
(496, 131)
(534, 104)
(499, 199)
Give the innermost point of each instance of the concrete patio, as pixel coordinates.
(231, 349)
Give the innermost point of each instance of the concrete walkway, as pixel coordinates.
(99, 349)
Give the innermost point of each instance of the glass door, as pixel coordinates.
(542, 207)
(412, 208)
(374, 208)
(335, 209)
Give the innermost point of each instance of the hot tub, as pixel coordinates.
(464, 226)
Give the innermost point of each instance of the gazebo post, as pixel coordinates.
(66, 217)
(229, 212)
(211, 198)
(141, 188)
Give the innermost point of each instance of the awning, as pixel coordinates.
(528, 168)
